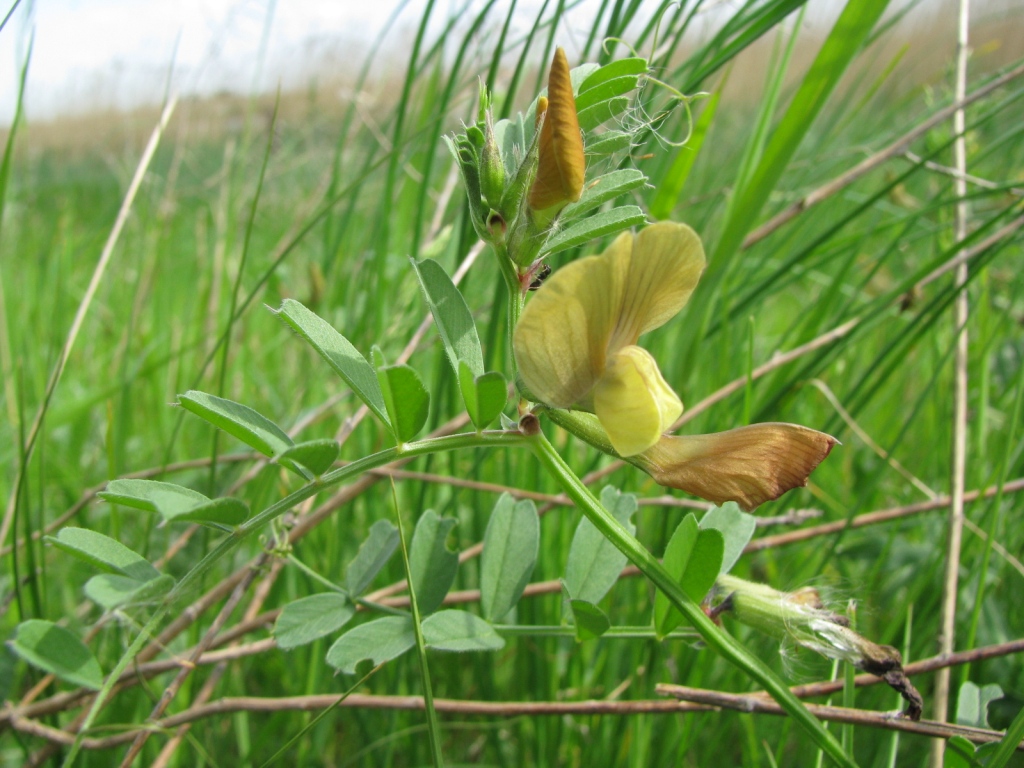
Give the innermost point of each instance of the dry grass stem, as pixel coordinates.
(874, 161)
(83, 310)
(958, 453)
(880, 516)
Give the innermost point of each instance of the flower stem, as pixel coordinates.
(510, 273)
(713, 635)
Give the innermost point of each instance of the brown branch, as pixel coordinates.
(20, 718)
(693, 700)
(964, 256)
(762, 704)
(828, 687)
(873, 518)
(869, 164)
(186, 669)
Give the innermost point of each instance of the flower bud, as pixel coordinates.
(561, 163)
(492, 167)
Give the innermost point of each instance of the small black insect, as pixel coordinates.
(541, 275)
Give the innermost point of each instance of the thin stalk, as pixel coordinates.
(958, 460)
(433, 726)
(510, 275)
(615, 633)
(715, 637)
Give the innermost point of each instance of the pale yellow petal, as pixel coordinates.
(633, 402)
(561, 340)
(748, 465)
(661, 271)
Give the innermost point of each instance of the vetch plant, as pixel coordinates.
(535, 187)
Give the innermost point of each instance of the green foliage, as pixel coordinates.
(460, 631)
(451, 316)
(309, 618)
(58, 651)
(431, 563)
(590, 621)
(238, 420)
(130, 579)
(110, 591)
(378, 641)
(315, 455)
(483, 393)
(373, 555)
(511, 544)
(694, 557)
(332, 222)
(345, 359)
(104, 553)
(737, 528)
(594, 563)
(175, 503)
(972, 703)
(406, 399)
(599, 225)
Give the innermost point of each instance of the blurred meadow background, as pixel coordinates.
(322, 190)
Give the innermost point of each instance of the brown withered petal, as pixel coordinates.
(561, 164)
(748, 465)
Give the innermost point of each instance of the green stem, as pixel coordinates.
(714, 636)
(615, 633)
(433, 726)
(253, 524)
(510, 274)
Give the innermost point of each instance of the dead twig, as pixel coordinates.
(873, 518)
(869, 164)
(762, 704)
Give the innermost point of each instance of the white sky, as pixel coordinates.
(90, 54)
(99, 54)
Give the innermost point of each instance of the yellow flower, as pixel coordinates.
(561, 165)
(575, 343)
(575, 346)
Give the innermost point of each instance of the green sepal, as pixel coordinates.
(466, 157)
(492, 167)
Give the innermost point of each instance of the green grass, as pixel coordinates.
(337, 216)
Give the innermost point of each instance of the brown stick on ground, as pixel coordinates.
(760, 703)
